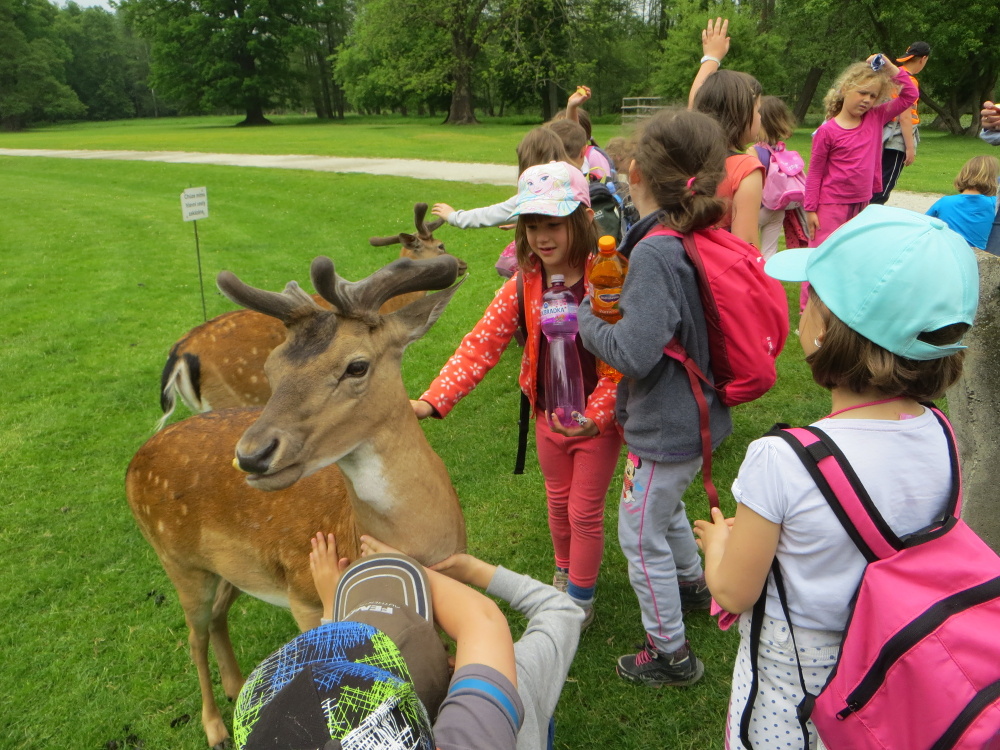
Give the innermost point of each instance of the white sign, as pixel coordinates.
(194, 204)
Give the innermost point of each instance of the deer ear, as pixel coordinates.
(409, 240)
(416, 318)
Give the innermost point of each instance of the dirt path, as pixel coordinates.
(489, 174)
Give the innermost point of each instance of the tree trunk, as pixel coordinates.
(945, 117)
(807, 93)
(462, 111)
(254, 115)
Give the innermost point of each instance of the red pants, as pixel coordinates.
(577, 474)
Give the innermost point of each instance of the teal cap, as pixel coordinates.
(891, 275)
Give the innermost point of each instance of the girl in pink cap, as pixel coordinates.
(555, 235)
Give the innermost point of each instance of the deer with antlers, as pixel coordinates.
(338, 397)
(220, 364)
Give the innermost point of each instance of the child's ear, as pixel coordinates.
(634, 175)
(590, 214)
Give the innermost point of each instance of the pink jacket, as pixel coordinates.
(481, 348)
(845, 166)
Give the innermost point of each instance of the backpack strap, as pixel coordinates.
(524, 416)
(850, 501)
(697, 378)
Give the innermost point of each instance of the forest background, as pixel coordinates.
(462, 60)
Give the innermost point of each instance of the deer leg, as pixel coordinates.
(196, 590)
(218, 631)
(306, 613)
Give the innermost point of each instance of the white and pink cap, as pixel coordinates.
(553, 189)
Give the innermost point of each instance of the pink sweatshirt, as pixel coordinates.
(845, 166)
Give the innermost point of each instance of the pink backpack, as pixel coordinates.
(746, 312)
(919, 667)
(785, 182)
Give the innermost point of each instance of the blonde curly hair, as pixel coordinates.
(854, 77)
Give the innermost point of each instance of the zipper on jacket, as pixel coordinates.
(911, 635)
(983, 700)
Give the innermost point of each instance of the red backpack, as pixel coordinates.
(919, 667)
(746, 312)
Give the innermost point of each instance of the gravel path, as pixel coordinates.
(489, 174)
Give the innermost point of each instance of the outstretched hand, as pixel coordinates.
(326, 569)
(422, 409)
(578, 97)
(715, 38)
(466, 568)
(990, 116)
(442, 210)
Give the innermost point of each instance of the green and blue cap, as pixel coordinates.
(891, 275)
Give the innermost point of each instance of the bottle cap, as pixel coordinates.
(606, 244)
(558, 278)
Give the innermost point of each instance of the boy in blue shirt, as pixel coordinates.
(971, 212)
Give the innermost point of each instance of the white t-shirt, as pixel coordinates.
(905, 467)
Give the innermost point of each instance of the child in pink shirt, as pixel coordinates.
(845, 164)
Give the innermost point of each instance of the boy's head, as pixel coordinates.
(915, 57)
(980, 174)
(373, 678)
(574, 140)
(894, 291)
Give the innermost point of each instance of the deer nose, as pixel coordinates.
(259, 462)
(462, 267)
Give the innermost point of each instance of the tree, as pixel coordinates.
(224, 53)
(32, 66)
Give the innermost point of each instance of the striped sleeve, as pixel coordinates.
(482, 712)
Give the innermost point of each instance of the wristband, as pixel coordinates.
(716, 60)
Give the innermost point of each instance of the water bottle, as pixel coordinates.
(563, 379)
(606, 278)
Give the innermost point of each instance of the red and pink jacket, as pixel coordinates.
(482, 347)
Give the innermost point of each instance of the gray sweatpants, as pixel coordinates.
(657, 541)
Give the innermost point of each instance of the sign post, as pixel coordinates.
(194, 206)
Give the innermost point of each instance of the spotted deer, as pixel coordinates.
(338, 398)
(220, 364)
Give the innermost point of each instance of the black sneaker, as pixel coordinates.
(652, 668)
(694, 595)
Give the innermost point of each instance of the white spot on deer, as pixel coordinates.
(184, 509)
(159, 526)
(253, 378)
(365, 470)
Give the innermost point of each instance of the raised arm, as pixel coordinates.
(714, 46)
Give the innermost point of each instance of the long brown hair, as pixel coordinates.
(582, 238)
(539, 146)
(730, 97)
(678, 147)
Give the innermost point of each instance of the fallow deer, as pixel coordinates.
(338, 396)
(220, 364)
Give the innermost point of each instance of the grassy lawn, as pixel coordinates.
(99, 279)
(939, 157)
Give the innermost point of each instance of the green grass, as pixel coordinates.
(939, 156)
(98, 280)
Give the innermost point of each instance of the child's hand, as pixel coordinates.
(372, 546)
(990, 116)
(910, 156)
(586, 427)
(715, 39)
(507, 227)
(713, 535)
(812, 223)
(442, 210)
(465, 568)
(422, 409)
(888, 65)
(578, 97)
(326, 569)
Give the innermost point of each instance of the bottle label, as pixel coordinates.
(558, 312)
(605, 303)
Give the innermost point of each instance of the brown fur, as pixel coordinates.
(218, 531)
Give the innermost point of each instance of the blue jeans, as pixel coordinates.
(993, 243)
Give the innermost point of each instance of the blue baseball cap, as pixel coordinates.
(891, 274)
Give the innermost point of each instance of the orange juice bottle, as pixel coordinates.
(607, 274)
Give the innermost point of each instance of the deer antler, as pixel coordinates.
(361, 298)
(286, 306)
(382, 241)
(424, 230)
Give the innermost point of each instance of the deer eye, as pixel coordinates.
(358, 368)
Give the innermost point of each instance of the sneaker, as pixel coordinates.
(652, 668)
(560, 581)
(694, 595)
(588, 617)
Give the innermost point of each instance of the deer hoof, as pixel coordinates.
(226, 744)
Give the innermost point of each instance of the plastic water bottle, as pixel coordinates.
(563, 379)
(606, 278)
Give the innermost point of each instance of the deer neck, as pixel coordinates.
(402, 493)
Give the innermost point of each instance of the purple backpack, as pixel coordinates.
(919, 667)
(785, 181)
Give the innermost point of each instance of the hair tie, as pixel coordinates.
(690, 182)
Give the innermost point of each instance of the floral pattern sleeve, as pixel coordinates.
(601, 403)
(478, 353)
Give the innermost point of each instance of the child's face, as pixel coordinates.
(860, 100)
(549, 238)
(752, 136)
